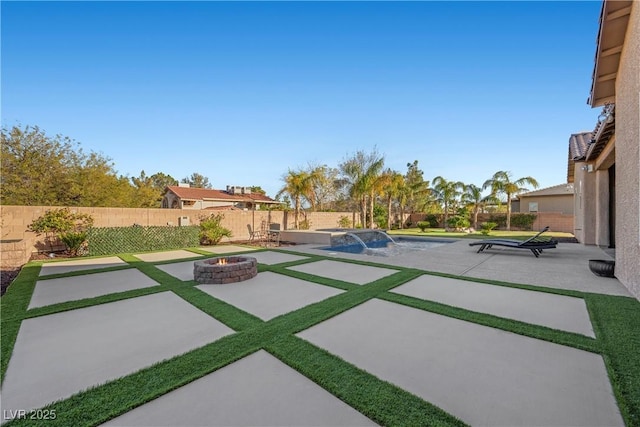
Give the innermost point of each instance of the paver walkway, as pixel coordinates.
(484, 376)
(481, 375)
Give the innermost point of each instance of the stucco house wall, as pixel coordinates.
(562, 204)
(627, 158)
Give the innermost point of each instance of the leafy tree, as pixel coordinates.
(42, 170)
(36, 168)
(160, 181)
(447, 193)
(69, 226)
(258, 190)
(417, 192)
(146, 194)
(197, 180)
(325, 185)
(501, 183)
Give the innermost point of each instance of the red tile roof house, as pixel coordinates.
(184, 197)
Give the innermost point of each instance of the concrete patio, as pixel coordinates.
(481, 375)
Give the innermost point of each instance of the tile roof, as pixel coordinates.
(556, 190)
(189, 193)
(604, 130)
(578, 146)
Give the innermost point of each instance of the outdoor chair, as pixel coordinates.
(254, 235)
(535, 244)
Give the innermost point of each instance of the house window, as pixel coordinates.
(186, 203)
(533, 206)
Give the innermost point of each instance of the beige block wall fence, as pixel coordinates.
(17, 243)
(556, 221)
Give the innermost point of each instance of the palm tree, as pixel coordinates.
(472, 197)
(500, 183)
(447, 193)
(392, 183)
(362, 173)
(298, 185)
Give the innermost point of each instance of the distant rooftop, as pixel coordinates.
(556, 190)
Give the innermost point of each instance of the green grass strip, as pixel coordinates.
(616, 321)
(101, 403)
(510, 325)
(86, 272)
(13, 305)
(90, 302)
(381, 401)
(233, 317)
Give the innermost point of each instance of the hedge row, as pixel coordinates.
(113, 240)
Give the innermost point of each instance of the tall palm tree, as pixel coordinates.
(361, 173)
(393, 183)
(472, 198)
(447, 193)
(298, 185)
(501, 183)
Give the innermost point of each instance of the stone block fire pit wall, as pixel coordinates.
(231, 269)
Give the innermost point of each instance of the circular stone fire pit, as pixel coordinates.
(223, 270)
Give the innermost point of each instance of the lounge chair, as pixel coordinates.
(535, 244)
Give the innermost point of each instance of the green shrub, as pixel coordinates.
(74, 241)
(344, 222)
(58, 222)
(523, 221)
(423, 225)
(458, 222)
(487, 227)
(499, 219)
(211, 229)
(433, 220)
(305, 224)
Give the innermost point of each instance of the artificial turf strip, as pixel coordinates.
(616, 321)
(13, 305)
(617, 340)
(89, 302)
(101, 403)
(381, 401)
(231, 316)
(85, 272)
(510, 325)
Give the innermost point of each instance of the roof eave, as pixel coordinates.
(614, 18)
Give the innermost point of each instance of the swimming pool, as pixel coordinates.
(398, 246)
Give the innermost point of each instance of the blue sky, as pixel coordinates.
(243, 91)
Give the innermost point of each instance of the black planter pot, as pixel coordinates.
(602, 267)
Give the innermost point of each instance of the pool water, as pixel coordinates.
(386, 248)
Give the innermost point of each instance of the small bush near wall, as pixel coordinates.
(113, 240)
(499, 219)
(523, 221)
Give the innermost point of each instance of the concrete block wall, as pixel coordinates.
(557, 221)
(16, 219)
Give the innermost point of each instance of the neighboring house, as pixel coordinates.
(606, 163)
(558, 198)
(184, 197)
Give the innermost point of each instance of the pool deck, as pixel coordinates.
(565, 267)
(481, 375)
